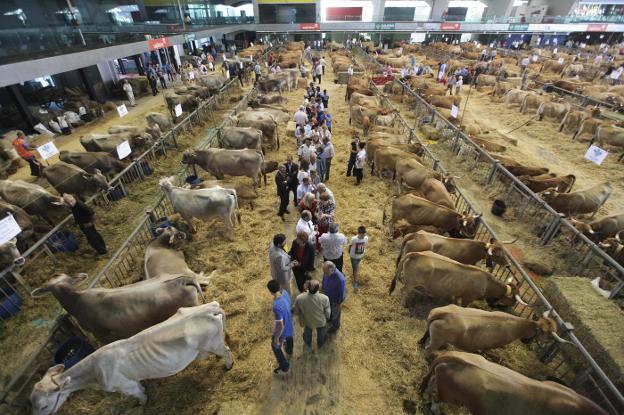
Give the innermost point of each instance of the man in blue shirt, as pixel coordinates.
(334, 287)
(284, 330)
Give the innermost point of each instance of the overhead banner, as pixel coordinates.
(597, 27)
(518, 27)
(384, 26)
(309, 26)
(155, 44)
(450, 26)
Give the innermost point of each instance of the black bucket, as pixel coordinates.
(147, 170)
(498, 207)
(116, 193)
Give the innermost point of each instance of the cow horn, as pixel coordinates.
(604, 245)
(617, 237)
(559, 339)
(510, 242)
(519, 299)
(547, 313)
(591, 231)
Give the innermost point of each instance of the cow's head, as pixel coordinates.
(49, 394)
(467, 224)
(144, 140)
(549, 194)
(98, 179)
(189, 156)
(495, 251)
(449, 183)
(9, 254)
(61, 280)
(582, 227)
(172, 233)
(613, 244)
(166, 182)
(545, 326)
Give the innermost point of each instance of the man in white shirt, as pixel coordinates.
(318, 71)
(306, 149)
(332, 244)
(300, 118)
(305, 225)
(322, 63)
(304, 187)
(360, 159)
(321, 189)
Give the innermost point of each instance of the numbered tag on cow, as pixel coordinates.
(178, 110)
(454, 111)
(123, 150)
(122, 110)
(596, 154)
(48, 150)
(9, 229)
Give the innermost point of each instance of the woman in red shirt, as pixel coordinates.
(24, 151)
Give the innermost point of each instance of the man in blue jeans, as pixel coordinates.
(284, 330)
(335, 287)
(314, 311)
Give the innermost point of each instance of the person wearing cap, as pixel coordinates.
(332, 244)
(304, 187)
(301, 118)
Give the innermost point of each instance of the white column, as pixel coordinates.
(256, 11)
(438, 7)
(378, 10)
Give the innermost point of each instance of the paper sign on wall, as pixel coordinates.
(9, 229)
(534, 58)
(47, 150)
(454, 111)
(122, 110)
(596, 154)
(123, 150)
(178, 110)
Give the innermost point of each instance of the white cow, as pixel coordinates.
(159, 351)
(203, 203)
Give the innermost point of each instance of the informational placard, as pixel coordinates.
(122, 110)
(123, 150)
(48, 150)
(535, 58)
(454, 111)
(596, 154)
(9, 229)
(561, 60)
(178, 110)
(191, 75)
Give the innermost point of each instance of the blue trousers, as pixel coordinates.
(321, 336)
(334, 319)
(279, 353)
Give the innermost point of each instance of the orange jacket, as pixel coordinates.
(20, 147)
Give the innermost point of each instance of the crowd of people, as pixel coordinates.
(317, 304)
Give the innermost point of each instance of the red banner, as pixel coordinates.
(309, 26)
(155, 44)
(450, 26)
(597, 27)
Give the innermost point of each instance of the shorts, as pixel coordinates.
(355, 263)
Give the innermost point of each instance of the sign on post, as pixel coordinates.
(178, 110)
(454, 111)
(48, 150)
(309, 26)
(518, 27)
(596, 154)
(122, 110)
(384, 26)
(123, 150)
(155, 44)
(9, 229)
(450, 26)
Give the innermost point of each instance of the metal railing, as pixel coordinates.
(121, 269)
(571, 363)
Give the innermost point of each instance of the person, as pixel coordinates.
(326, 211)
(332, 244)
(458, 84)
(239, 73)
(302, 252)
(349, 73)
(323, 189)
(187, 19)
(360, 160)
(313, 311)
(303, 70)
(258, 71)
(282, 338)
(318, 71)
(353, 154)
(325, 98)
(300, 117)
(306, 149)
(616, 74)
(315, 180)
(484, 54)
(310, 203)
(322, 62)
(161, 77)
(304, 224)
(328, 120)
(24, 151)
(129, 93)
(304, 187)
(327, 155)
(292, 169)
(281, 182)
(153, 84)
(280, 262)
(451, 83)
(233, 49)
(83, 216)
(335, 288)
(441, 70)
(357, 246)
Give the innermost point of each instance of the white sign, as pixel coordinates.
(454, 111)
(555, 50)
(596, 154)
(191, 75)
(48, 150)
(9, 229)
(178, 110)
(82, 111)
(561, 60)
(122, 110)
(534, 58)
(123, 150)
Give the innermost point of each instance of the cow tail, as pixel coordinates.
(236, 209)
(401, 252)
(398, 271)
(425, 337)
(540, 111)
(426, 380)
(193, 281)
(277, 136)
(383, 218)
(523, 104)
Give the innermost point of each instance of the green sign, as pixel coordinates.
(384, 26)
(518, 27)
(189, 36)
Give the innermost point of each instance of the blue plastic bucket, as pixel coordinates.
(72, 351)
(193, 180)
(116, 193)
(10, 303)
(160, 223)
(147, 170)
(63, 241)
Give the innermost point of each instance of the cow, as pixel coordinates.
(613, 136)
(489, 145)
(444, 101)
(444, 279)
(600, 229)
(474, 330)
(34, 199)
(261, 121)
(589, 125)
(214, 82)
(240, 138)
(160, 351)
(486, 80)
(502, 87)
(271, 99)
(92, 161)
(487, 388)
(563, 184)
(152, 130)
(385, 159)
(554, 110)
(161, 120)
(245, 193)
(362, 117)
(579, 202)
(518, 169)
(614, 247)
(109, 143)
(465, 251)
(424, 182)
(533, 101)
(20, 241)
(362, 90)
(516, 96)
(67, 178)
(274, 82)
(118, 313)
(203, 204)
(268, 166)
(419, 211)
(187, 102)
(572, 120)
(10, 254)
(221, 162)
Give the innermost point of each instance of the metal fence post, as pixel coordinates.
(492, 173)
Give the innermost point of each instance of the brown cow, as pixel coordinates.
(554, 110)
(474, 330)
(613, 136)
(533, 101)
(443, 101)
(562, 184)
(386, 157)
(589, 125)
(600, 229)
(579, 202)
(487, 388)
(518, 169)
(573, 120)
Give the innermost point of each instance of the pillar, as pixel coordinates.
(438, 8)
(21, 105)
(139, 64)
(378, 10)
(498, 8)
